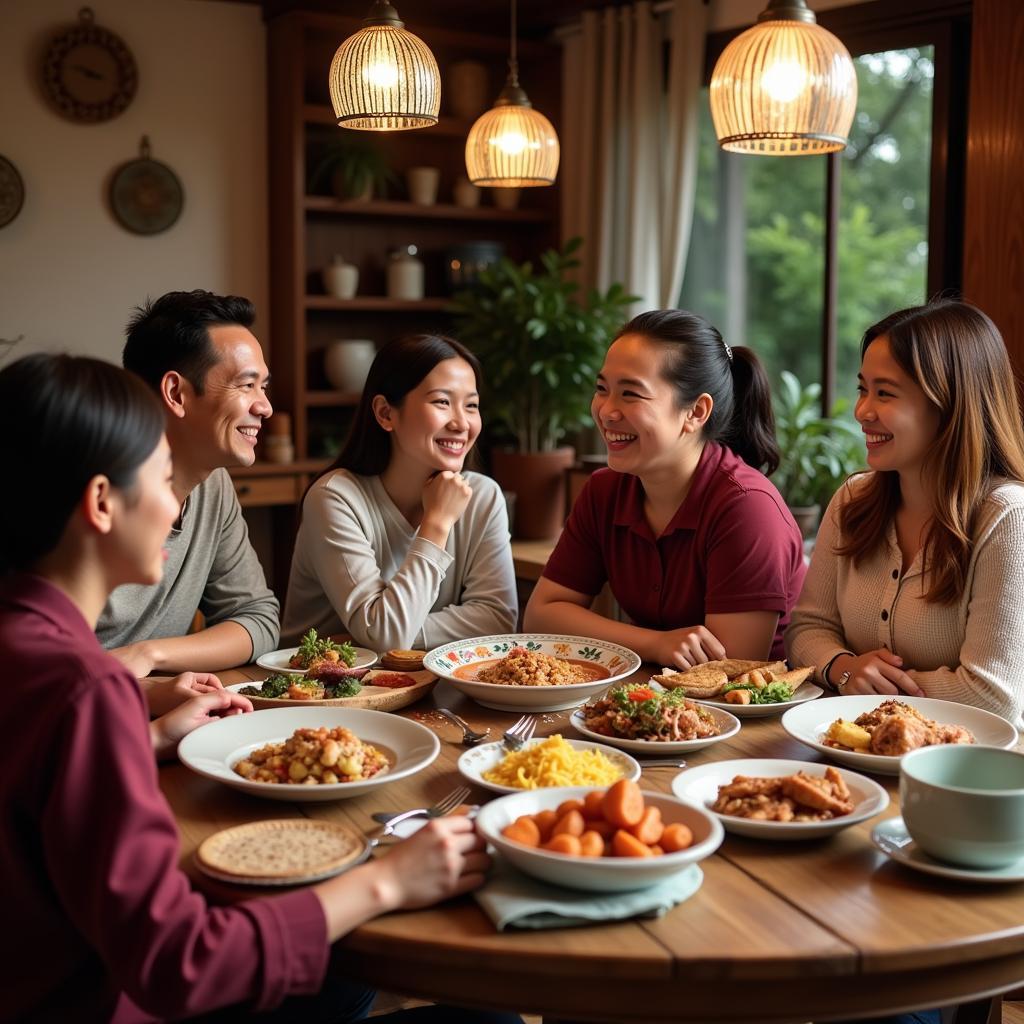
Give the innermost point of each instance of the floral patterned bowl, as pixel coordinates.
(459, 662)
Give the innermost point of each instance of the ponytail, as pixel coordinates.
(700, 362)
(751, 433)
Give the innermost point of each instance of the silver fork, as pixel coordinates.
(443, 806)
(520, 732)
(470, 737)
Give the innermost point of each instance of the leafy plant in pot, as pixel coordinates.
(354, 169)
(541, 345)
(818, 452)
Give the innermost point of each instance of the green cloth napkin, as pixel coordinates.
(514, 900)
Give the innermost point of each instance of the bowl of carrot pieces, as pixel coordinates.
(601, 840)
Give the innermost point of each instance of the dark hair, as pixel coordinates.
(398, 367)
(74, 418)
(172, 333)
(957, 357)
(699, 362)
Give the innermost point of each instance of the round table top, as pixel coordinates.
(794, 931)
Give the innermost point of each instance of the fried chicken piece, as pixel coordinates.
(826, 793)
(952, 734)
(761, 807)
(899, 734)
(870, 720)
(745, 785)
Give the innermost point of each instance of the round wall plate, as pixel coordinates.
(12, 192)
(146, 195)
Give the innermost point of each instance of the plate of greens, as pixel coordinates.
(313, 649)
(360, 690)
(773, 699)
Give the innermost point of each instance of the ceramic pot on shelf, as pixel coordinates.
(538, 481)
(506, 198)
(341, 279)
(405, 274)
(466, 194)
(423, 183)
(347, 363)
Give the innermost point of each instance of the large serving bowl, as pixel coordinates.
(597, 874)
(809, 723)
(459, 662)
(213, 749)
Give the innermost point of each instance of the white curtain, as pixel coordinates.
(629, 127)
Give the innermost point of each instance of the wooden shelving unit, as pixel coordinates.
(306, 230)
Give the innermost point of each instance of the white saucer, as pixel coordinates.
(277, 661)
(892, 838)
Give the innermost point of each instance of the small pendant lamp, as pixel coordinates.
(785, 87)
(383, 78)
(512, 145)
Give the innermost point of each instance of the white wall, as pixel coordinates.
(69, 273)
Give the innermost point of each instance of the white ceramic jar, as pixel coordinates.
(423, 183)
(466, 194)
(347, 362)
(341, 279)
(405, 274)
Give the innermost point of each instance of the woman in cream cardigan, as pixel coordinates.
(398, 546)
(916, 581)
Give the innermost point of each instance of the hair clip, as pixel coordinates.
(728, 352)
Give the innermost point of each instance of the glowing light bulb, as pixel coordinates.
(784, 81)
(510, 143)
(382, 75)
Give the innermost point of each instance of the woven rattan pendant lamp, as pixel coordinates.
(512, 145)
(383, 78)
(786, 87)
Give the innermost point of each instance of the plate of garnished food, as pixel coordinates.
(545, 763)
(645, 719)
(309, 753)
(333, 684)
(871, 733)
(776, 799)
(610, 840)
(747, 689)
(531, 671)
(315, 650)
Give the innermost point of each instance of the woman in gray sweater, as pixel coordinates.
(915, 583)
(398, 546)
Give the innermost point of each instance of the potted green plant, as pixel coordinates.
(818, 452)
(353, 168)
(541, 345)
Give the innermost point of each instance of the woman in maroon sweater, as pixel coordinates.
(100, 922)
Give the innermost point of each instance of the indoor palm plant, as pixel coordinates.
(353, 168)
(541, 344)
(817, 452)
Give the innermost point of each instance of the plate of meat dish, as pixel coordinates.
(641, 719)
(776, 799)
(871, 733)
(315, 650)
(747, 689)
(531, 671)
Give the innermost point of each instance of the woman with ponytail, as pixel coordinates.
(696, 544)
(918, 570)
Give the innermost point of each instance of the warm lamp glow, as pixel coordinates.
(786, 87)
(512, 145)
(384, 78)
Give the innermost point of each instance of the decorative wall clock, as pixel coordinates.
(145, 195)
(12, 192)
(88, 73)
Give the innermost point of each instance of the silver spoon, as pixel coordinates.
(470, 737)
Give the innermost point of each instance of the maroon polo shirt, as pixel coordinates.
(100, 922)
(732, 546)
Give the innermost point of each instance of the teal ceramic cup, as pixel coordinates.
(964, 804)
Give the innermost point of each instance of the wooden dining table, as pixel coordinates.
(822, 929)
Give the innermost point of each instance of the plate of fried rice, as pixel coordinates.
(531, 671)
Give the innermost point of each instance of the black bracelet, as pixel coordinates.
(824, 672)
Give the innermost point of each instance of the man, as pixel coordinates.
(196, 351)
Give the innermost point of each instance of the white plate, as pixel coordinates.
(617, 661)
(597, 874)
(809, 723)
(474, 762)
(803, 693)
(729, 724)
(212, 749)
(700, 786)
(277, 661)
(893, 839)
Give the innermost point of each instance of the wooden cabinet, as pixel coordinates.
(306, 230)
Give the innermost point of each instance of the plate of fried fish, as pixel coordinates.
(747, 689)
(770, 798)
(872, 732)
